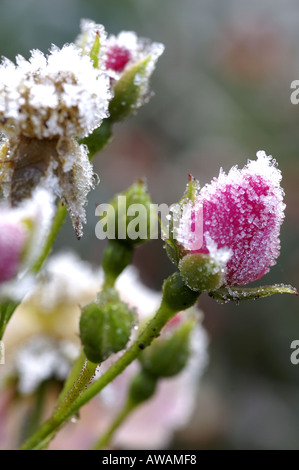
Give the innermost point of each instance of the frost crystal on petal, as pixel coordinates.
(242, 214)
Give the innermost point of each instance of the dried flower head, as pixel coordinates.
(45, 103)
(241, 214)
(54, 96)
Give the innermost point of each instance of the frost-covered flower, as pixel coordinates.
(54, 96)
(23, 231)
(238, 215)
(128, 60)
(45, 103)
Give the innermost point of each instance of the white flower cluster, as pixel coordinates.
(59, 95)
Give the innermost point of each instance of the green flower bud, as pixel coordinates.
(142, 387)
(105, 326)
(131, 216)
(168, 355)
(201, 272)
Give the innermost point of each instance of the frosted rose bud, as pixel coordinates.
(128, 60)
(236, 238)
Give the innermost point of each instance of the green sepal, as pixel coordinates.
(7, 309)
(177, 295)
(98, 139)
(173, 249)
(191, 192)
(95, 51)
(128, 91)
(236, 294)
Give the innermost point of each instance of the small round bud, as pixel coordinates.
(169, 354)
(132, 215)
(142, 387)
(105, 326)
(201, 272)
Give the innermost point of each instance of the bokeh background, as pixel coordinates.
(222, 92)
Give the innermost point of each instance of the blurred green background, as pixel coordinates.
(221, 93)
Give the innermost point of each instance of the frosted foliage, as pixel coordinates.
(242, 213)
(58, 95)
(43, 358)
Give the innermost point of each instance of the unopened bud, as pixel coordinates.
(105, 326)
(169, 354)
(142, 387)
(201, 272)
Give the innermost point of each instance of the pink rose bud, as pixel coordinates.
(234, 225)
(117, 58)
(12, 242)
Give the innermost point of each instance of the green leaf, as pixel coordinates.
(95, 51)
(226, 294)
(99, 138)
(7, 308)
(128, 90)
